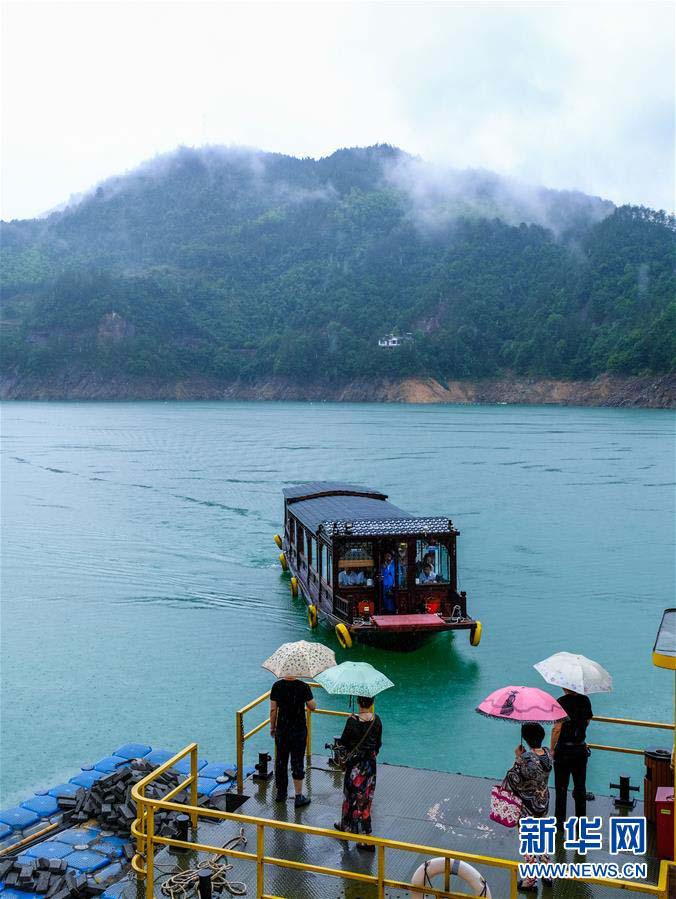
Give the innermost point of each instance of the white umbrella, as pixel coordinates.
(575, 672)
(300, 659)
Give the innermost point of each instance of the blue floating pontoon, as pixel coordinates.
(49, 849)
(86, 861)
(110, 763)
(44, 806)
(158, 756)
(77, 836)
(133, 750)
(18, 818)
(183, 767)
(217, 769)
(64, 790)
(87, 778)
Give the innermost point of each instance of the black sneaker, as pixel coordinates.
(280, 797)
(301, 800)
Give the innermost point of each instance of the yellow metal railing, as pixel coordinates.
(631, 723)
(242, 737)
(143, 863)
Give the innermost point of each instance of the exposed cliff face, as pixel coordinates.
(657, 392)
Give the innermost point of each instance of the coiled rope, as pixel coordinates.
(184, 883)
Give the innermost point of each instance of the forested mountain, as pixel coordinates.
(241, 265)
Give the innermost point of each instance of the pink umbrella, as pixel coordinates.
(522, 704)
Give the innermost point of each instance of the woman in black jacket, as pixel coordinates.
(362, 739)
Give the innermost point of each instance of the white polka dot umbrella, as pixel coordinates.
(300, 659)
(575, 672)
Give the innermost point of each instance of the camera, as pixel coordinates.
(337, 752)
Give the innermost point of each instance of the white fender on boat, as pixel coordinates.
(435, 866)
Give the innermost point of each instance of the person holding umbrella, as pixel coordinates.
(289, 700)
(578, 676)
(528, 777)
(361, 741)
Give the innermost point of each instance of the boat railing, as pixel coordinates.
(148, 841)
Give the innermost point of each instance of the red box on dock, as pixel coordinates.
(664, 819)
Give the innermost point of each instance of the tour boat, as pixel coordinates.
(370, 570)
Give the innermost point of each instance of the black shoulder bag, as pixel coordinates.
(344, 758)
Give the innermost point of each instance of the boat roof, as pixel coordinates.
(311, 489)
(339, 509)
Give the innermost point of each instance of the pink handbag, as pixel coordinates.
(506, 807)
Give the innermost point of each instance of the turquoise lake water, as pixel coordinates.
(141, 589)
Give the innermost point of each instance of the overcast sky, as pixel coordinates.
(566, 95)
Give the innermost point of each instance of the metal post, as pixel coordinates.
(260, 864)
(513, 884)
(140, 816)
(239, 729)
(447, 875)
(308, 745)
(150, 852)
(193, 784)
(381, 872)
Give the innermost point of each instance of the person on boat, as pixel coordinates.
(569, 746)
(362, 739)
(427, 575)
(387, 576)
(351, 578)
(289, 698)
(427, 559)
(528, 779)
(402, 564)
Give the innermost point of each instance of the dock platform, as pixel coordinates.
(413, 805)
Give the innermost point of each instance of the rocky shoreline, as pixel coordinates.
(653, 392)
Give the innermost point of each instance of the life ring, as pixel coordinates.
(435, 866)
(312, 615)
(475, 634)
(343, 636)
(283, 562)
(293, 586)
(278, 540)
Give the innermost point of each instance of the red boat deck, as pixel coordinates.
(400, 622)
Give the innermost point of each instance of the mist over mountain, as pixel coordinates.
(239, 264)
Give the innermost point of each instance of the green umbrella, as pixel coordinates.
(354, 679)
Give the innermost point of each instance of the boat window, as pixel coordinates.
(302, 542)
(355, 565)
(312, 559)
(292, 530)
(402, 564)
(431, 562)
(327, 563)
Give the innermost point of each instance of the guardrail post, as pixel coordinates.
(150, 852)
(260, 864)
(447, 875)
(381, 872)
(513, 884)
(140, 818)
(239, 734)
(193, 784)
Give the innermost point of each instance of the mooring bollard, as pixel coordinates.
(182, 825)
(262, 770)
(204, 883)
(624, 800)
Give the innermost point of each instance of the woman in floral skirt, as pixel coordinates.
(361, 739)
